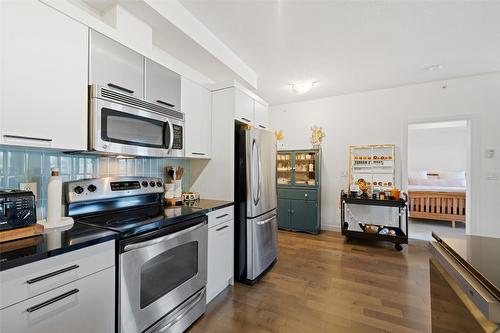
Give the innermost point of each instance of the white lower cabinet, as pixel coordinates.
(73, 292)
(85, 305)
(220, 271)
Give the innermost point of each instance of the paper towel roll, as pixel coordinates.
(54, 197)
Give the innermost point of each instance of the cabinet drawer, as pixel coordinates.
(298, 194)
(220, 215)
(20, 283)
(85, 305)
(220, 258)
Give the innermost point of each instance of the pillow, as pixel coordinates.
(452, 175)
(422, 174)
(437, 182)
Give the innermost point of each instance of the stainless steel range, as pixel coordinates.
(162, 261)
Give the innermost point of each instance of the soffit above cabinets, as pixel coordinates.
(178, 41)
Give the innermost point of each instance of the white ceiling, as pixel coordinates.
(352, 46)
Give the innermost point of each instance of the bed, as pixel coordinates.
(437, 196)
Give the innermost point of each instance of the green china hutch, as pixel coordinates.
(298, 176)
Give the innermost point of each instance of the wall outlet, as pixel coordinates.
(28, 187)
(492, 176)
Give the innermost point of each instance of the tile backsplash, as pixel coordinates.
(18, 165)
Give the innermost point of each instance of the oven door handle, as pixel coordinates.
(135, 246)
(178, 315)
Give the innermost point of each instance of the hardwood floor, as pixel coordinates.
(322, 284)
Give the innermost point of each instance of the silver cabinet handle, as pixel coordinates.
(305, 195)
(293, 211)
(245, 119)
(52, 300)
(49, 275)
(112, 85)
(222, 228)
(266, 220)
(165, 103)
(26, 138)
(201, 154)
(150, 242)
(221, 216)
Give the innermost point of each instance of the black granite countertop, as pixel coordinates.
(61, 240)
(479, 256)
(207, 205)
(51, 243)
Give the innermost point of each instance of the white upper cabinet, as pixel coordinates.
(196, 105)
(261, 116)
(244, 107)
(249, 109)
(44, 73)
(163, 86)
(115, 66)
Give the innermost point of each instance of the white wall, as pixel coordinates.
(437, 149)
(382, 116)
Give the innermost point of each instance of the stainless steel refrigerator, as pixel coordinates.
(256, 224)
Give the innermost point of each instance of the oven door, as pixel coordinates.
(157, 274)
(120, 129)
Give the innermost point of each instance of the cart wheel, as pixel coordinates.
(346, 225)
(398, 247)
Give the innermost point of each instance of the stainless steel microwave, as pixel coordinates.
(120, 124)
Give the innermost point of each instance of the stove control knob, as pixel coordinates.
(159, 184)
(152, 183)
(144, 183)
(78, 190)
(91, 188)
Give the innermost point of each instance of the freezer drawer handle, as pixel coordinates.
(53, 300)
(266, 220)
(201, 154)
(26, 138)
(165, 103)
(49, 275)
(221, 216)
(153, 241)
(245, 119)
(262, 126)
(222, 228)
(112, 85)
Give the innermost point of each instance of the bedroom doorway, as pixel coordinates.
(437, 183)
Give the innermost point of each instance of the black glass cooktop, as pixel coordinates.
(139, 220)
(479, 255)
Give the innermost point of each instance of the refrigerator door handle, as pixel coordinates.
(255, 172)
(259, 167)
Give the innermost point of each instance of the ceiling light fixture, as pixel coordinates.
(433, 68)
(302, 87)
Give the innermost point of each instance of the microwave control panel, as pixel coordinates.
(177, 144)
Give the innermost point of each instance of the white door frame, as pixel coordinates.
(473, 150)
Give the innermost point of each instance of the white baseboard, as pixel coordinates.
(330, 227)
